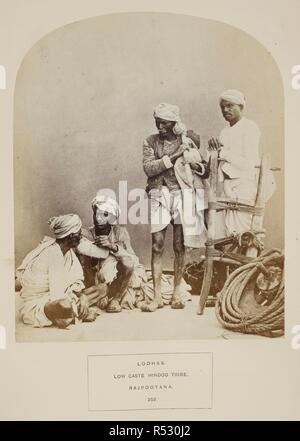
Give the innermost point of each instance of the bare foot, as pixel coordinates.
(177, 303)
(103, 303)
(92, 315)
(114, 306)
(152, 306)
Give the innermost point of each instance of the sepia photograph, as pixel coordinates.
(148, 183)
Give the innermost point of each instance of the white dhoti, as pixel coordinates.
(234, 221)
(47, 275)
(179, 207)
(32, 312)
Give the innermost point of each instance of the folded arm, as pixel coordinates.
(153, 166)
(88, 248)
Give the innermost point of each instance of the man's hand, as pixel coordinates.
(179, 152)
(105, 242)
(194, 165)
(84, 306)
(214, 144)
(92, 315)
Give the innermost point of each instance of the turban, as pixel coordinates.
(166, 111)
(64, 225)
(106, 203)
(170, 112)
(233, 96)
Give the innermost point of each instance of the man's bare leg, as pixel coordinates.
(179, 262)
(95, 293)
(59, 312)
(158, 244)
(118, 287)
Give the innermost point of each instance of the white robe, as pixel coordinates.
(240, 154)
(47, 275)
(193, 193)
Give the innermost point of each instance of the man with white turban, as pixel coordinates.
(52, 278)
(106, 253)
(160, 153)
(238, 147)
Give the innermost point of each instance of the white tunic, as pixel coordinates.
(241, 149)
(240, 152)
(47, 275)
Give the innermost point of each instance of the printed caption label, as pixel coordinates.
(150, 381)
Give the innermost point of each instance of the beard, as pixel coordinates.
(102, 230)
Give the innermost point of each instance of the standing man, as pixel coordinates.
(238, 147)
(160, 153)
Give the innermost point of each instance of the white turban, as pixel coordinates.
(106, 203)
(168, 112)
(233, 96)
(64, 225)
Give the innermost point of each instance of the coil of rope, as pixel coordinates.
(267, 321)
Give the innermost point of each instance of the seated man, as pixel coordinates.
(52, 278)
(106, 254)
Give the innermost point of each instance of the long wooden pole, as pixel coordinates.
(208, 270)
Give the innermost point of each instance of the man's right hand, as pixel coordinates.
(179, 152)
(84, 306)
(105, 242)
(214, 144)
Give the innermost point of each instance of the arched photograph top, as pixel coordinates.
(148, 182)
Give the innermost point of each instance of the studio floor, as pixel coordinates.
(164, 324)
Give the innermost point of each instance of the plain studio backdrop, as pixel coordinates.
(84, 102)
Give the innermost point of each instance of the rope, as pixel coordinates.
(268, 321)
(226, 205)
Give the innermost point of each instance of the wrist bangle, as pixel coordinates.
(202, 169)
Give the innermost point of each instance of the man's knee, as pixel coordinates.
(59, 309)
(126, 265)
(158, 246)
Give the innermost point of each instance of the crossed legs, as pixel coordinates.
(61, 314)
